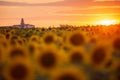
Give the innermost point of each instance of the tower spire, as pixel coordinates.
(22, 23)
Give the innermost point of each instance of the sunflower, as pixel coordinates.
(76, 39)
(17, 52)
(24, 40)
(13, 37)
(49, 38)
(32, 48)
(2, 36)
(8, 36)
(116, 73)
(100, 56)
(20, 41)
(78, 56)
(68, 73)
(13, 43)
(48, 59)
(59, 41)
(1, 55)
(116, 43)
(34, 38)
(12, 31)
(42, 29)
(93, 40)
(3, 50)
(110, 65)
(4, 43)
(18, 70)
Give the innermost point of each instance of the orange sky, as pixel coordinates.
(54, 12)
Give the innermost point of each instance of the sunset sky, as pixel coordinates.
(54, 12)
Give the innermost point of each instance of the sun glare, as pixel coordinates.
(106, 22)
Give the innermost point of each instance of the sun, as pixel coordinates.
(106, 22)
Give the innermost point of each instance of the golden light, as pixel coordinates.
(106, 22)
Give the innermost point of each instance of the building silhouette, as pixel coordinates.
(23, 25)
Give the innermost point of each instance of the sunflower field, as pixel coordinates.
(63, 53)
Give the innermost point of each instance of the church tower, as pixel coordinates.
(22, 23)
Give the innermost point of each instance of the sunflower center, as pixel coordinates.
(31, 48)
(18, 72)
(48, 39)
(118, 73)
(16, 52)
(76, 57)
(116, 44)
(98, 55)
(48, 60)
(67, 77)
(76, 39)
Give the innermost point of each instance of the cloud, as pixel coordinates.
(106, 0)
(70, 3)
(91, 14)
(33, 1)
(107, 3)
(7, 3)
(97, 10)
